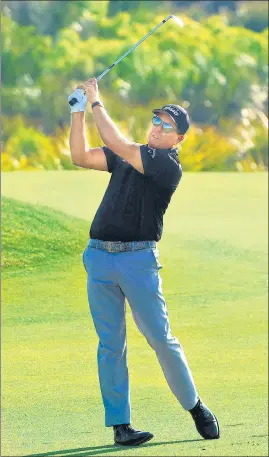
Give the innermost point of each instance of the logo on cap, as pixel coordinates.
(172, 109)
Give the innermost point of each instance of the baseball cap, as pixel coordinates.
(178, 114)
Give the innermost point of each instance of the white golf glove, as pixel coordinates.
(80, 104)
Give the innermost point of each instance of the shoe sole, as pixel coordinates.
(142, 441)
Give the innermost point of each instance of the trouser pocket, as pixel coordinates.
(155, 256)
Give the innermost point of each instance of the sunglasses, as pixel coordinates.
(167, 128)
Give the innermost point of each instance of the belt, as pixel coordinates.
(121, 246)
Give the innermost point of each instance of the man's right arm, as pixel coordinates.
(82, 155)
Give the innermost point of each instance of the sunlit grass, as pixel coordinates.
(214, 257)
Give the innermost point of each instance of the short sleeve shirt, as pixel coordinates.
(134, 203)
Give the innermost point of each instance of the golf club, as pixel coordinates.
(178, 21)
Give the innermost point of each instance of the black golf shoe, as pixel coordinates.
(127, 436)
(205, 421)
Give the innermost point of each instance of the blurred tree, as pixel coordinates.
(23, 53)
(252, 15)
(210, 7)
(117, 6)
(216, 71)
(47, 16)
(121, 5)
(215, 7)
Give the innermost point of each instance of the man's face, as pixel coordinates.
(160, 139)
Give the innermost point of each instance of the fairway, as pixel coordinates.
(214, 257)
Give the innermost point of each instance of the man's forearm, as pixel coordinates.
(108, 131)
(77, 138)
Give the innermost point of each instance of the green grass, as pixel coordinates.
(214, 257)
(33, 236)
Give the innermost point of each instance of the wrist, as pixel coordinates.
(78, 108)
(97, 103)
(78, 114)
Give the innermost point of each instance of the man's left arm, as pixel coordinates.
(109, 132)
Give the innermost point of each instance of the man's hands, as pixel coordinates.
(81, 103)
(85, 92)
(90, 88)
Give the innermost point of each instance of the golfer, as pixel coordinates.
(122, 258)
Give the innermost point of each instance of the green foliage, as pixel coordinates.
(23, 52)
(213, 69)
(33, 236)
(251, 139)
(243, 147)
(47, 16)
(28, 149)
(207, 150)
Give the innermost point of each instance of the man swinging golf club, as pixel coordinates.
(121, 258)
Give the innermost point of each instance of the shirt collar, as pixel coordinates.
(169, 150)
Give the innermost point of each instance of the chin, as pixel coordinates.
(153, 143)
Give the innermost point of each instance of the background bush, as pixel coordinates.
(216, 67)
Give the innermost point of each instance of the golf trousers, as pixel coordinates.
(133, 274)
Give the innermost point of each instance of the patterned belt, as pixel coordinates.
(121, 246)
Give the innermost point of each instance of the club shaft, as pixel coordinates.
(133, 47)
(74, 100)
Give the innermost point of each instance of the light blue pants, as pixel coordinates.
(112, 276)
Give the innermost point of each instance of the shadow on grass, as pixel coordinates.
(93, 450)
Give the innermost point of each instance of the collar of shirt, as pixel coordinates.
(169, 150)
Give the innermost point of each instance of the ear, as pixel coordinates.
(180, 138)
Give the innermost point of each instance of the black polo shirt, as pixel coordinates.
(134, 203)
